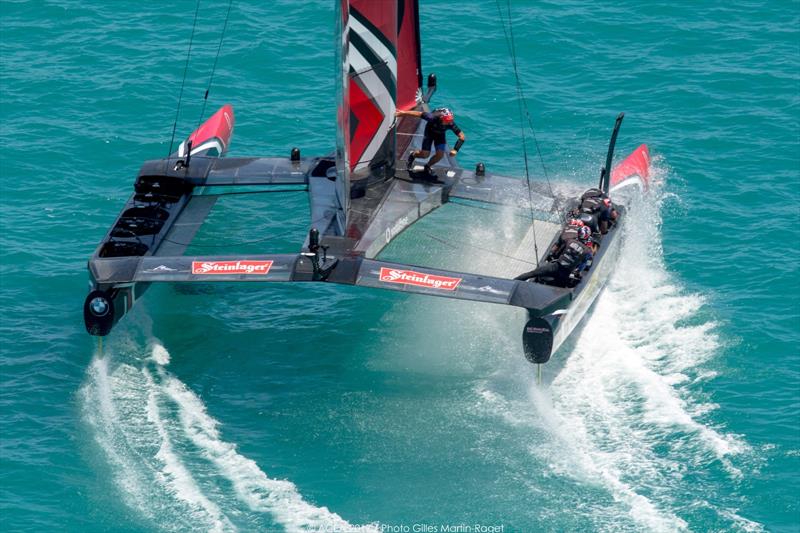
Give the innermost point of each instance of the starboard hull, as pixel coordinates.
(543, 335)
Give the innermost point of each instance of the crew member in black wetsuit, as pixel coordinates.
(439, 121)
(598, 211)
(564, 269)
(568, 233)
(608, 215)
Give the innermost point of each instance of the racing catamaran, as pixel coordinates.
(361, 198)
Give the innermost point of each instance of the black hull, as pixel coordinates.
(544, 334)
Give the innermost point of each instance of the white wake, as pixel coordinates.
(167, 456)
(624, 413)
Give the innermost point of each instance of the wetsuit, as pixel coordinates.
(568, 234)
(606, 217)
(435, 130)
(575, 255)
(602, 215)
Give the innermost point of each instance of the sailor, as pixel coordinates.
(592, 199)
(564, 270)
(585, 237)
(568, 233)
(597, 211)
(438, 122)
(608, 215)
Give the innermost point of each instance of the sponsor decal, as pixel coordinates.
(395, 230)
(532, 329)
(231, 267)
(420, 279)
(161, 268)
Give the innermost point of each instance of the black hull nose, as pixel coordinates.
(537, 340)
(99, 313)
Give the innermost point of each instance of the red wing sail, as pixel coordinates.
(366, 118)
(379, 67)
(370, 70)
(409, 55)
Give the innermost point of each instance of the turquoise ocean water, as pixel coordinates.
(312, 407)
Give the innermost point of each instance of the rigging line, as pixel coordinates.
(511, 45)
(214, 68)
(183, 83)
(468, 245)
(520, 97)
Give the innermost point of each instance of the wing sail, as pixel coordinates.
(367, 88)
(409, 54)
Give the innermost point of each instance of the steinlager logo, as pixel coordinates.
(231, 267)
(420, 279)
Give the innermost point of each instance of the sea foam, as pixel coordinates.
(142, 418)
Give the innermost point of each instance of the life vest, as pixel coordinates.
(435, 129)
(570, 233)
(572, 256)
(592, 205)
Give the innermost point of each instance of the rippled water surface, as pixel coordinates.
(675, 406)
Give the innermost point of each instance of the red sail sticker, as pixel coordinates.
(231, 267)
(420, 279)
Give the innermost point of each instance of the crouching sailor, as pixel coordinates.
(597, 211)
(564, 267)
(568, 233)
(438, 122)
